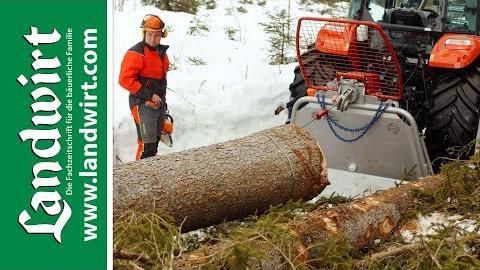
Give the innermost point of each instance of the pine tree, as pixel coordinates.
(210, 4)
(281, 37)
(188, 6)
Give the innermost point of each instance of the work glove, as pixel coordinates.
(154, 103)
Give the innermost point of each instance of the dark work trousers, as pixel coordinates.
(149, 124)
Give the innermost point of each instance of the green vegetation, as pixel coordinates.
(188, 6)
(261, 2)
(280, 36)
(173, 63)
(327, 2)
(197, 27)
(210, 4)
(146, 241)
(156, 244)
(241, 9)
(197, 61)
(231, 33)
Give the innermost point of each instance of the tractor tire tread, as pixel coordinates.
(453, 119)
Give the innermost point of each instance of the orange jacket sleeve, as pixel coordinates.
(130, 69)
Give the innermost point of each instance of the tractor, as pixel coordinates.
(418, 58)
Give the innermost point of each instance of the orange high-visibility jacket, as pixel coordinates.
(144, 72)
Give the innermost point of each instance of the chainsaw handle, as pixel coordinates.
(169, 117)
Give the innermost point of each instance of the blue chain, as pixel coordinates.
(332, 122)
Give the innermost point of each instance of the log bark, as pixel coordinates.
(225, 181)
(359, 222)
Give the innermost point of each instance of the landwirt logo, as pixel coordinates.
(46, 117)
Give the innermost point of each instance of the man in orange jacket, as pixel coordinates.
(144, 74)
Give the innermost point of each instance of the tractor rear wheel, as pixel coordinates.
(453, 119)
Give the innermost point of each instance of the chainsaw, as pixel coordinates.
(166, 135)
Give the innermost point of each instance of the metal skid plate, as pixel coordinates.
(391, 148)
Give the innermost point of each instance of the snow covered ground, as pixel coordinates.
(234, 94)
(431, 224)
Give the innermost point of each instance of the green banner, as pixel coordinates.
(54, 134)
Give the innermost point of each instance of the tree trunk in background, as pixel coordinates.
(224, 181)
(360, 222)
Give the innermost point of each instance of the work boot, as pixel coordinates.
(149, 150)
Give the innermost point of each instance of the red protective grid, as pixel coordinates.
(334, 48)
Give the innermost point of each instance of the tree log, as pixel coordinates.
(358, 222)
(225, 181)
